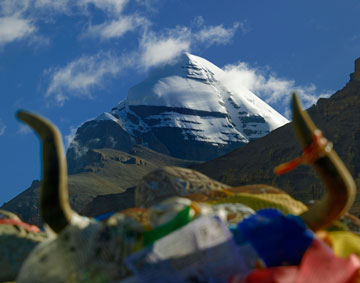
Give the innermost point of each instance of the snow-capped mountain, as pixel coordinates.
(184, 110)
(190, 95)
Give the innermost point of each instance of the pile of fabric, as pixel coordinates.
(193, 242)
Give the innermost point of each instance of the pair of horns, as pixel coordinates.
(57, 213)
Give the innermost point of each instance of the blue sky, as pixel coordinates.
(71, 60)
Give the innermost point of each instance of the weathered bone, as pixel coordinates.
(54, 197)
(341, 188)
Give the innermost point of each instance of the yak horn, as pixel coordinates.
(341, 188)
(54, 197)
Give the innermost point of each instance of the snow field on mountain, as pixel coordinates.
(175, 91)
(191, 96)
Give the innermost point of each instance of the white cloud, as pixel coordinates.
(77, 149)
(156, 50)
(62, 6)
(81, 75)
(70, 137)
(273, 90)
(110, 6)
(19, 17)
(116, 22)
(14, 28)
(113, 7)
(78, 78)
(37, 40)
(150, 5)
(117, 28)
(14, 25)
(216, 34)
(2, 127)
(24, 129)
(11, 7)
(164, 47)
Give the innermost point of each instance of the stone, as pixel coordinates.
(356, 75)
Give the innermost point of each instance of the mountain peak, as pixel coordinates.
(188, 83)
(186, 65)
(185, 110)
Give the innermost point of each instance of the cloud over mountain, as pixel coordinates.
(78, 77)
(271, 88)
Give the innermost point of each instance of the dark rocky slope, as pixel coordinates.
(338, 117)
(106, 172)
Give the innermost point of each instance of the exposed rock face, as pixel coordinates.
(356, 75)
(337, 116)
(95, 135)
(26, 204)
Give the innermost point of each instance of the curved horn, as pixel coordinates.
(54, 197)
(341, 188)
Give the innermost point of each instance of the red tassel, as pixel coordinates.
(317, 149)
